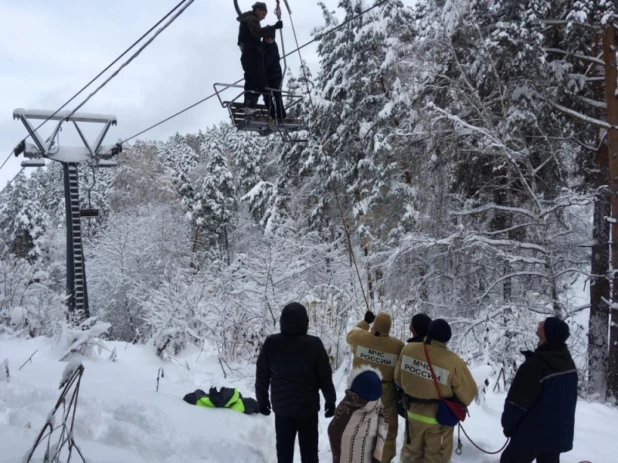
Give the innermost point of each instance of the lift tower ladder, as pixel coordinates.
(69, 157)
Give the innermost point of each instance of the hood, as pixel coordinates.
(294, 319)
(556, 359)
(246, 16)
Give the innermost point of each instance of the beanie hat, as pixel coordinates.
(556, 331)
(420, 323)
(439, 330)
(382, 324)
(366, 383)
(259, 6)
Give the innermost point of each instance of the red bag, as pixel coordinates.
(450, 412)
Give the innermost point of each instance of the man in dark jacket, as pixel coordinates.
(274, 75)
(418, 327)
(539, 412)
(250, 35)
(296, 367)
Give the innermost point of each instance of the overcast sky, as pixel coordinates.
(49, 49)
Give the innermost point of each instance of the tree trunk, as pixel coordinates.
(611, 75)
(598, 323)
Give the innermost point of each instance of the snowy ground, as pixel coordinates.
(121, 418)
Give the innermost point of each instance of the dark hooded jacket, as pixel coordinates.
(272, 61)
(539, 413)
(250, 32)
(224, 398)
(295, 367)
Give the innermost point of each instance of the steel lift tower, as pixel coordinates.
(69, 157)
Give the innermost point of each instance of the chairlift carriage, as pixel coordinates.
(262, 121)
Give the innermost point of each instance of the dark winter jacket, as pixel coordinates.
(250, 32)
(225, 398)
(272, 61)
(539, 412)
(295, 366)
(416, 339)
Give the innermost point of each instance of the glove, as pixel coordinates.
(329, 410)
(506, 433)
(265, 409)
(369, 317)
(278, 25)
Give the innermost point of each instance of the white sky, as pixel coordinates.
(49, 49)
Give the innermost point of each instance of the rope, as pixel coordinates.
(461, 428)
(319, 37)
(135, 55)
(323, 147)
(285, 61)
(100, 74)
(7, 159)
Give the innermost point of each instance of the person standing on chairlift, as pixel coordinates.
(250, 37)
(274, 77)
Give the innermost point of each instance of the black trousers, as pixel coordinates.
(278, 109)
(307, 430)
(515, 455)
(252, 62)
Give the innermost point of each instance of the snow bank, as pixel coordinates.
(120, 417)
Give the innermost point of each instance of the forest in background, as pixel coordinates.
(449, 169)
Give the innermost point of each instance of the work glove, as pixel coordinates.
(329, 410)
(278, 25)
(265, 409)
(369, 317)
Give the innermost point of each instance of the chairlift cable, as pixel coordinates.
(135, 55)
(100, 74)
(319, 37)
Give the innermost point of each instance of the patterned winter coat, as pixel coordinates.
(358, 430)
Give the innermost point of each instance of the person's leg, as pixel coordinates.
(308, 438)
(286, 437)
(515, 453)
(389, 401)
(434, 450)
(413, 451)
(548, 458)
(253, 66)
(447, 443)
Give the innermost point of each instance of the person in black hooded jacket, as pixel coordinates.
(295, 367)
(539, 412)
(274, 75)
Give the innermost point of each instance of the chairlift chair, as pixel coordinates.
(261, 121)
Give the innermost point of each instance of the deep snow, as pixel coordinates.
(121, 418)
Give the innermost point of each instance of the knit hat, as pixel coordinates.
(366, 383)
(439, 330)
(420, 324)
(259, 6)
(556, 331)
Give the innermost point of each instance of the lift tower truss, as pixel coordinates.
(70, 157)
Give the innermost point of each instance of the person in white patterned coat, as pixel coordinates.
(358, 430)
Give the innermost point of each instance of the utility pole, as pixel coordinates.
(69, 157)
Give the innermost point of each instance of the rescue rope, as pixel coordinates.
(459, 450)
(322, 145)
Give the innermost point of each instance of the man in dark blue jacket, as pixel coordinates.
(539, 412)
(295, 367)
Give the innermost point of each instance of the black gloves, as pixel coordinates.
(507, 433)
(369, 317)
(265, 409)
(278, 25)
(329, 410)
